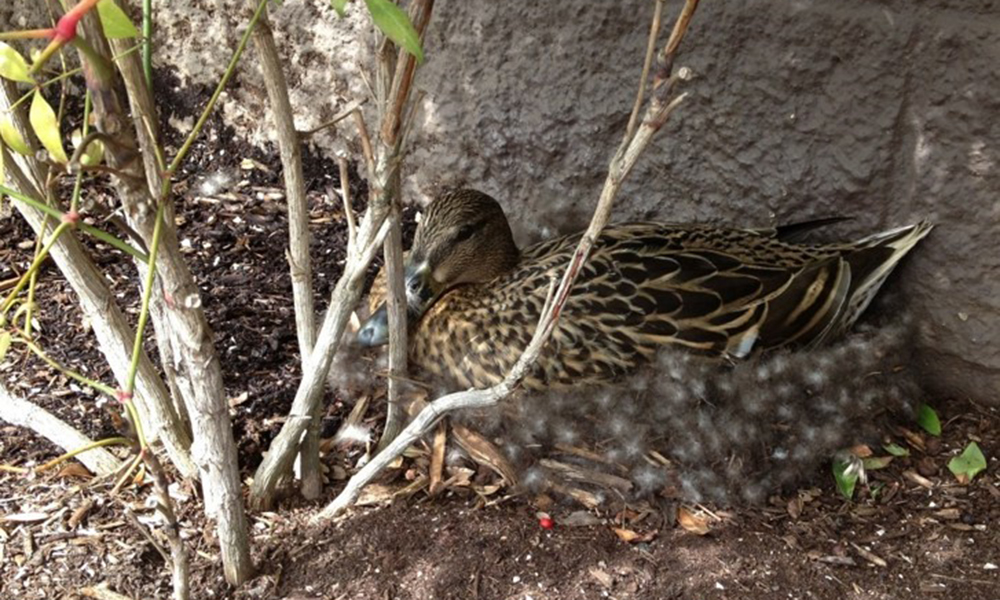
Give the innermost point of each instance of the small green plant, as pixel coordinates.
(968, 464)
(848, 470)
(928, 419)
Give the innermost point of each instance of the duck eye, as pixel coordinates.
(465, 232)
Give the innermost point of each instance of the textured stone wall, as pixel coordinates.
(888, 111)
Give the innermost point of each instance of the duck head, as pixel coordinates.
(463, 238)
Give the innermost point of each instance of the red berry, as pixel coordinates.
(546, 522)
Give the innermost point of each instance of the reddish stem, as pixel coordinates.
(65, 30)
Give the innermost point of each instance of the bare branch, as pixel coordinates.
(654, 32)
(22, 413)
(350, 110)
(623, 161)
(382, 165)
(178, 555)
(366, 143)
(396, 304)
(345, 193)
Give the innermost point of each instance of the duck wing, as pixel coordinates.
(718, 292)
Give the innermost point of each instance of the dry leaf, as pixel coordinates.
(484, 452)
(603, 577)
(794, 507)
(861, 451)
(697, 524)
(75, 469)
(543, 502)
(632, 537)
(626, 535)
(375, 493)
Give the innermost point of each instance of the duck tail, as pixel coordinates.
(872, 259)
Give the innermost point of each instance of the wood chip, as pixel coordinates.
(949, 514)
(437, 459)
(582, 496)
(101, 592)
(80, 513)
(861, 451)
(869, 556)
(583, 475)
(26, 517)
(794, 508)
(832, 559)
(580, 518)
(919, 479)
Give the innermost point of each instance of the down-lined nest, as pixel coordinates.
(683, 428)
(698, 430)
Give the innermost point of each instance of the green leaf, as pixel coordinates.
(12, 135)
(4, 344)
(340, 6)
(874, 463)
(12, 65)
(115, 22)
(847, 470)
(396, 26)
(928, 419)
(896, 450)
(968, 464)
(43, 121)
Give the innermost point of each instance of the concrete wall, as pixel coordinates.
(888, 111)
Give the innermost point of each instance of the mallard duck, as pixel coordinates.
(474, 298)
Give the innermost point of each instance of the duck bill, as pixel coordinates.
(420, 295)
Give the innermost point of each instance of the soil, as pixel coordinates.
(912, 532)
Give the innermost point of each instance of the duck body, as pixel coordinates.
(718, 292)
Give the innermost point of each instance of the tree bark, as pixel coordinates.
(185, 339)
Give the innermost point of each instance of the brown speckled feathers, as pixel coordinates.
(712, 290)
